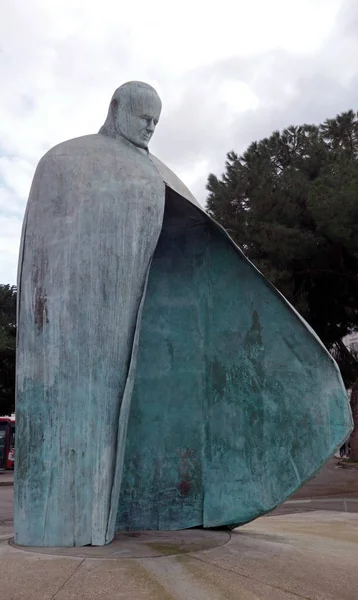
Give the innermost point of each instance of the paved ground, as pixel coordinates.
(6, 478)
(333, 489)
(6, 498)
(311, 554)
(6, 520)
(331, 481)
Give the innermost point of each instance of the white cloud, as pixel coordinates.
(226, 75)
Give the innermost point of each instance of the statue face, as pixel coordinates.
(137, 115)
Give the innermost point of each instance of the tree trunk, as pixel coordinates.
(354, 436)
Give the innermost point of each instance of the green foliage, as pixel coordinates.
(7, 348)
(291, 202)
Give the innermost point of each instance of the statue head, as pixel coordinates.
(133, 113)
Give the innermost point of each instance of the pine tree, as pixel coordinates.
(7, 348)
(291, 202)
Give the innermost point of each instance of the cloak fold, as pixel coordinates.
(93, 220)
(236, 402)
(208, 392)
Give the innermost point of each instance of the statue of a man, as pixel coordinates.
(162, 382)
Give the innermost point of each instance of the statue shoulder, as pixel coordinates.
(99, 152)
(173, 180)
(94, 148)
(80, 146)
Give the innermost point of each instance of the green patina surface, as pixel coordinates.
(235, 403)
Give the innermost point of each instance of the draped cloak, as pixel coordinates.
(162, 381)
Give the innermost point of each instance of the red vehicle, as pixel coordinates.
(7, 443)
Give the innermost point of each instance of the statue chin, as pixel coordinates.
(136, 141)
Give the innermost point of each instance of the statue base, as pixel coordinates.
(142, 544)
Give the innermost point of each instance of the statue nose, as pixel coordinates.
(150, 125)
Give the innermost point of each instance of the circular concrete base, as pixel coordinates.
(144, 544)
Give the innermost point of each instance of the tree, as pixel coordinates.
(354, 406)
(291, 202)
(7, 348)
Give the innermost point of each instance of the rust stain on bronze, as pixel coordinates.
(40, 304)
(187, 459)
(41, 313)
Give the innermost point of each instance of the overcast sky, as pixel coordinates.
(226, 76)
